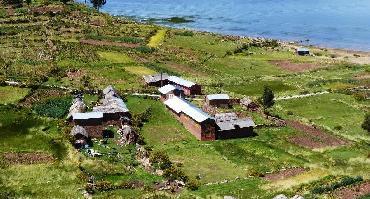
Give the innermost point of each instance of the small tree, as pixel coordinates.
(366, 124)
(268, 97)
(97, 4)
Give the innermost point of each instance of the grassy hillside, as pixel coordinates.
(51, 49)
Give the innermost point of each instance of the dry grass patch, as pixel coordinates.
(140, 70)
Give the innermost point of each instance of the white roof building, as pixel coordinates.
(218, 97)
(88, 115)
(179, 105)
(181, 81)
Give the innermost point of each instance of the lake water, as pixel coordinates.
(328, 23)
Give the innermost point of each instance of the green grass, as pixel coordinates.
(170, 129)
(256, 88)
(328, 111)
(10, 94)
(40, 181)
(116, 57)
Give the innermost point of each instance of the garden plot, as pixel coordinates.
(341, 114)
(27, 158)
(296, 67)
(283, 174)
(356, 191)
(313, 137)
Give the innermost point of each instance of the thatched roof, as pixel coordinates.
(78, 106)
(112, 105)
(79, 130)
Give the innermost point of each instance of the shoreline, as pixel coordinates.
(284, 41)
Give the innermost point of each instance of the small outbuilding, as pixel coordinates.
(230, 126)
(218, 100)
(158, 80)
(88, 119)
(168, 91)
(303, 51)
(113, 108)
(80, 135)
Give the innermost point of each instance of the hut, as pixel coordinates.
(158, 80)
(230, 126)
(303, 51)
(168, 91)
(189, 88)
(218, 100)
(88, 119)
(199, 123)
(113, 108)
(78, 106)
(80, 135)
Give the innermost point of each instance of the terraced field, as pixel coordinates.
(53, 51)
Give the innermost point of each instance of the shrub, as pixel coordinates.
(338, 128)
(145, 49)
(366, 124)
(193, 184)
(161, 160)
(268, 97)
(174, 173)
(185, 33)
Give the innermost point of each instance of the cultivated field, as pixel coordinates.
(54, 50)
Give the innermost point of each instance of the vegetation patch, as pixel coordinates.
(157, 39)
(116, 57)
(55, 108)
(140, 70)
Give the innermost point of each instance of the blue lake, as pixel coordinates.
(327, 23)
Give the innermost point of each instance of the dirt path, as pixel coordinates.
(313, 137)
(301, 96)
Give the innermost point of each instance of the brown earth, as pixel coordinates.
(362, 76)
(183, 68)
(75, 74)
(282, 174)
(313, 137)
(108, 43)
(27, 158)
(40, 95)
(354, 191)
(295, 67)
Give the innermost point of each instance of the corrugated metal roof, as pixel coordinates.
(230, 121)
(218, 97)
(88, 115)
(180, 105)
(155, 78)
(303, 49)
(181, 81)
(167, 88)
